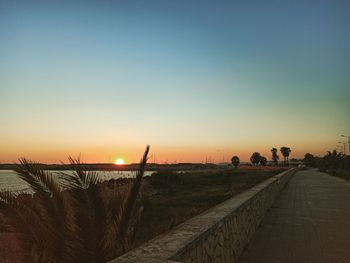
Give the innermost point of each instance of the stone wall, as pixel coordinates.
(217, 235)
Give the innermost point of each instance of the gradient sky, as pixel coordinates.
(193, 79)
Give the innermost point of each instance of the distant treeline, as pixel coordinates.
(114, 167)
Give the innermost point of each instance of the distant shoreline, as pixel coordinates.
(149, 166)
(125, 167)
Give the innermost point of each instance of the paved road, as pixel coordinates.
(309, 223)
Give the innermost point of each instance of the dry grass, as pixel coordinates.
(170, 198)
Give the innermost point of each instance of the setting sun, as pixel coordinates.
(119, 161)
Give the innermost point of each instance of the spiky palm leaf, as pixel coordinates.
(127, 214)
(90, 208)
(71, 220)
(128, 206)
(53, 208)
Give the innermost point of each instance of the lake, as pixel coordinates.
(9, 179)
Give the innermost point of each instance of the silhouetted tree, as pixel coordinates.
(309, 160)
(235, 161)
(255, 158)
(275, 156)
(263, 161)
(285, 152)
(332, 161)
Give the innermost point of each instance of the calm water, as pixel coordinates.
(10, 181)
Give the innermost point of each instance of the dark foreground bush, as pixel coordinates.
(165, 178)
(74, 219)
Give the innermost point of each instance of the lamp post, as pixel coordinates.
(348, 141)
(343, 143)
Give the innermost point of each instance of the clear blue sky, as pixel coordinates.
(191, 78)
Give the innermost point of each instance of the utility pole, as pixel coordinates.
(343, 143)
(348, 141)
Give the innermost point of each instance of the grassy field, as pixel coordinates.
(169, 198)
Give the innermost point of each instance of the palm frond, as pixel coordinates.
(90, 209)
(54, 210)
(127, 208)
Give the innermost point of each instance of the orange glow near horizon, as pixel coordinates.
(159, 154)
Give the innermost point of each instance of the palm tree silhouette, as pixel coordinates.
(285, 152)
(70, 218)
(275, 156)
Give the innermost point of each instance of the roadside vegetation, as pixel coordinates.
(170, 198)
(334, 163)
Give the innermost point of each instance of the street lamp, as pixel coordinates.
(343, 143)
(348, 141)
